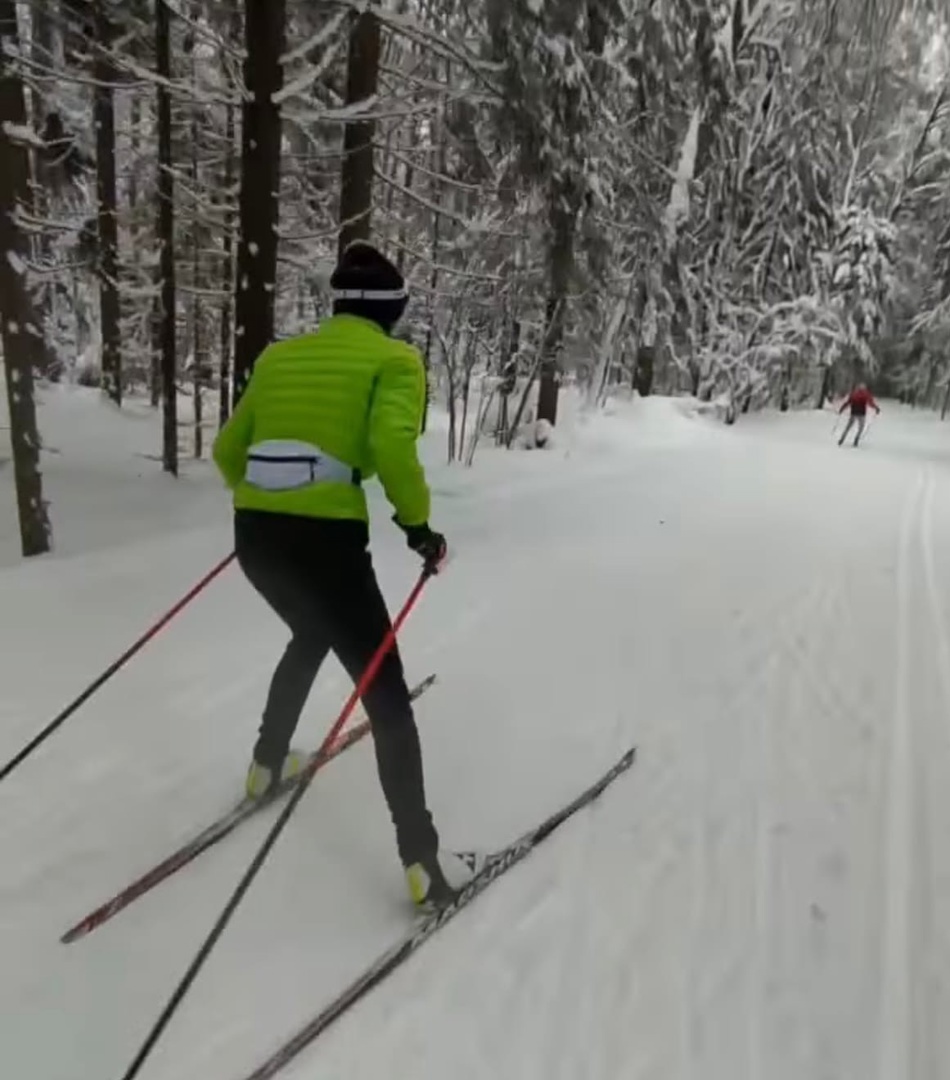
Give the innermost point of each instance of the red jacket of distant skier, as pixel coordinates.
(860, 400)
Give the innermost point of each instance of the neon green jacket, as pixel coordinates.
(350, 390)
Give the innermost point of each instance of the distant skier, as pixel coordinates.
(858, 400)
(321, 413)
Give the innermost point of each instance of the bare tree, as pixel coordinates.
(227, 262)
(104, 123)
(264, 31)
(356, 185)
(166, 236)
(19, 331)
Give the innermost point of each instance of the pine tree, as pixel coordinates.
(19, 331)
(264, 29)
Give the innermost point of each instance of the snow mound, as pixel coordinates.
(650, 423)
(692, 408)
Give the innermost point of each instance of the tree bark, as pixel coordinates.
(104, 122)
(197, 281)
(19, 329)
(227, 278)
(362, 78)
(227, 270)
(435, 195)
(166, 236)
(825, 391)
(42, 52)
(264, 29)
(560, 268)
(44, 39)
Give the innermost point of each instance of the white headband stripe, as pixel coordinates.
(371, 294)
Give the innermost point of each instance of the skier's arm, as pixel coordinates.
(844, 405)
(230, 447)
(394, 425)
(874, 405)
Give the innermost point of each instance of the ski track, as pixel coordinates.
(766, 896)
(933, 924)
(895, 1013)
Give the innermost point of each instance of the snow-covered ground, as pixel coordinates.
(766, 896)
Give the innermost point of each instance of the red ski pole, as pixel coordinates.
(257, 862)
(153, 630)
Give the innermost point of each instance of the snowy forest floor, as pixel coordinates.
(765, 897)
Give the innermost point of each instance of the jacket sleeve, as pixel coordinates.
(231, 445)
(394, 424)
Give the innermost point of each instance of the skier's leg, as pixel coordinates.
(433, 877)
(267, 553)
(861, 422)
(847, 428)
(359, 623)
(289, 689)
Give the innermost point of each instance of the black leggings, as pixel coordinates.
(318, 576)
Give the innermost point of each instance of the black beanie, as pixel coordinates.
(367, 284)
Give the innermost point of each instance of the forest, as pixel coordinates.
(742, 200)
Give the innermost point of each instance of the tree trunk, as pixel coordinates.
(197, 280)
(560, 268)
(227, 276)
(508, 369)
(645, 370)
(166, 238)
(44, 18)
(264, 28)
(155, 372)
(135, 146)
(435, 194)
(362, 76)
(825, 392)
(18, 319)
(197, 380)
(104, 123)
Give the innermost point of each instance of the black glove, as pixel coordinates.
(430, 545)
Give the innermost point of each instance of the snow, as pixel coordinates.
(764, 897)
(677, 209)
(24, 134)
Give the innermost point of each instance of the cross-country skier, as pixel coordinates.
(322, 413)
(858, 400)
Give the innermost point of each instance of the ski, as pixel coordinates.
(495, 866)
(212, 835)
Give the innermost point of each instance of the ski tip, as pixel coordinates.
(420, 688)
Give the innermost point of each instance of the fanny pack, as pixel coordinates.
(286, 465)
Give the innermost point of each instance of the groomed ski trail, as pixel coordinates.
(766, 898)
(211, 835)
(495, 867)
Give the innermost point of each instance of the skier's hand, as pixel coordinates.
(427, 543)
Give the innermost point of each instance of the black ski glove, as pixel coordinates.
(427, 543)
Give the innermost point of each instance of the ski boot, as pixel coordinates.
(263, 782)
(435, 883)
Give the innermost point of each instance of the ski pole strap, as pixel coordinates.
(288, 464)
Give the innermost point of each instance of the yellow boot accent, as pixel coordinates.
(260, 778)
(418, 881)
(294, 764)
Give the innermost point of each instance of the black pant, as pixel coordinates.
(318, 577)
